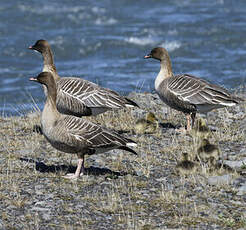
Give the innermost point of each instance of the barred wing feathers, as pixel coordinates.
(199, 92)
(90, 94)
(88, 134)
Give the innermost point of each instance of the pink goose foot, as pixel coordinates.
(79, 171)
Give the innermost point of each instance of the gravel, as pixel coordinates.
(121, 190)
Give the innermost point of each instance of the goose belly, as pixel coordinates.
(57, 139)
(59, 145)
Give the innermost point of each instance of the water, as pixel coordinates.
(105, 42)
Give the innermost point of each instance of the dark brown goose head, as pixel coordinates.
(45, 78)
(41, 46)
(161, 54)
(158, 53)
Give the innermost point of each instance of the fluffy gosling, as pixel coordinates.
(186, 166)
(147, 125)
(208, 150)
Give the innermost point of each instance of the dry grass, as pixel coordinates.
(150, 196)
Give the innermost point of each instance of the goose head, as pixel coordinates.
(158, 53)
(41, 46)
(44, 78)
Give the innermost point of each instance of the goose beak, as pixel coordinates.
(147, 56)
(30, 47)
(33, 79)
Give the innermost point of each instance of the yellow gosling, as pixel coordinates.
(147, 125)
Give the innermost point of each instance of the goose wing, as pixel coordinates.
(90, 94)
(199, 92)
(91, 135)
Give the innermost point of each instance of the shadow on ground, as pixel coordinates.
(168, 126)
(96, 171)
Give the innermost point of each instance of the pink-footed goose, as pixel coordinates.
(77, 96)
(75, 135)
(187, 93)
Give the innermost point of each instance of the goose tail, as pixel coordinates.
(128, 149)
(130, 103)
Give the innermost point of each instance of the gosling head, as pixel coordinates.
(205, 142)
(185, 156)
(151, 117)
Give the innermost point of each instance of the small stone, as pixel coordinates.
(219, 180)
(24, 152)
(243, 151)
(1, 225)
(40, 209)
(242, 190)
(236, 165)
(139, 172)
(40, 190)
(46, 215)
(162, 179)
(33, 114)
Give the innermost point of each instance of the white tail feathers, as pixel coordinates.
(131, 144)
(129, 106)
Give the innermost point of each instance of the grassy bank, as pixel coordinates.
(120, 190)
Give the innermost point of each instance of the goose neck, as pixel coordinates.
(165, 72)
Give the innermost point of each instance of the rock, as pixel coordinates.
(33, 114)
(40, 209)
(220, 180)
(24, 152)
(139, 172)
(243, 151)
(40, 189)
(2, 225)
(242, 190)
(236, 165)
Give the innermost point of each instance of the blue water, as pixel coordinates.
(105, 42)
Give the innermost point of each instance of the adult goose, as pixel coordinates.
(188, 93)
(77, 96)
(75, 135)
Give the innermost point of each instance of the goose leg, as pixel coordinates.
(193, 117)
(188, 122)
(79, 171)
